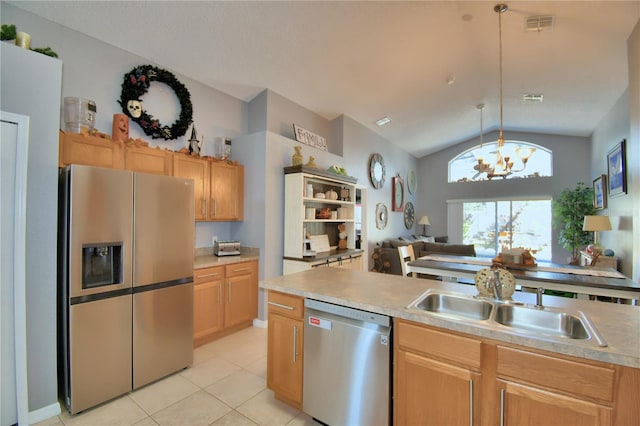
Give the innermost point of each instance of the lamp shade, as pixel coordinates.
(424, 220)
(596, 223)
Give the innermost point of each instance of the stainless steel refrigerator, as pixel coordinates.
(125, 278)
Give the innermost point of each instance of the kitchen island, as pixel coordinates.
(509, 371)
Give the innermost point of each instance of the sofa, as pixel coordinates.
(386, 259)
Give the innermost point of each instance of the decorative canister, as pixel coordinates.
(309, 192)
(79, 114)
(310, 213)
(23, 40)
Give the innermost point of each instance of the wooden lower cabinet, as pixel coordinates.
(522, 404)
(225, 299)
(433, 393)
(445, 377)
(285, 345)
(437, 378)
(208, 307)
(241, 293)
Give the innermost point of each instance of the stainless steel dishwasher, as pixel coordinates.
(347, 365)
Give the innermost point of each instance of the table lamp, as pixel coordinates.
(424, 221)
(595, 224)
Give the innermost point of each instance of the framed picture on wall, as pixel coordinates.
(617, 170)
(600, 192)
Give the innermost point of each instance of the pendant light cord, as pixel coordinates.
(500, 9)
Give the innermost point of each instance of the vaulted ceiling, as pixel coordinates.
(425, 64)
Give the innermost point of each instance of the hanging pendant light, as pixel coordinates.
(502, 166)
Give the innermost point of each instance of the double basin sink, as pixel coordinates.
(517, 317)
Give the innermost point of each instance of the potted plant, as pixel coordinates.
(8, 32)
(569, 210)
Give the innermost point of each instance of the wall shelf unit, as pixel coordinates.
(308, 215)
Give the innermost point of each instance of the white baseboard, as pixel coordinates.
(260, 323)
(44, 413)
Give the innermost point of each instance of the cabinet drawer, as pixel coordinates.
(573, 377)
(286, 304)
(451, 347)
(236, 269)
(208, 274)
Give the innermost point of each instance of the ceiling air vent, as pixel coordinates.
(532, 97)
(538, 23)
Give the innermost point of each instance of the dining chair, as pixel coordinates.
(406, 256)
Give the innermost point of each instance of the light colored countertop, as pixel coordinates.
(206, 259)
(390, 295)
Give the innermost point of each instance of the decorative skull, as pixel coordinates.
(135, 108)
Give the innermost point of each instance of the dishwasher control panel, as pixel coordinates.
(345, 311)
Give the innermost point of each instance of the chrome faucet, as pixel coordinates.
(496, 285)
(539, 294)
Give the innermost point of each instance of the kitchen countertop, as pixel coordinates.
(390, 295)
(206, 259)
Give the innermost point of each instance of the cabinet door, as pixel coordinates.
(429, 392)
(520, 404)
(89, 151)
(208, 310)
(284, 357)
(241, 293)
(208, 304)
(147, 160)
(227, 192)
(198, 170)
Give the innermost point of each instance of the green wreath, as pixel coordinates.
(136, 83)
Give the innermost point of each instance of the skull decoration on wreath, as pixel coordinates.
(136, 83)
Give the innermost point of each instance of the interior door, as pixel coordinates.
(13, 172)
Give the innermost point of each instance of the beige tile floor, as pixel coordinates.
(226, 385)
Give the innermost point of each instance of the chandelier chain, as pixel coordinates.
(501, 137)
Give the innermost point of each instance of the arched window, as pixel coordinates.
(516, 159)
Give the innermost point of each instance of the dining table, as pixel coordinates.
(592, 281)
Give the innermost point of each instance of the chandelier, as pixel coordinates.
(503, 164)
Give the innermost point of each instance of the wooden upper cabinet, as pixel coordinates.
(89, 151)
(148, 160)
(218, 186)
(227, 192)
(198, 170)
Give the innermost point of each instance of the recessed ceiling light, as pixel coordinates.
(384, 120)
(532, 97)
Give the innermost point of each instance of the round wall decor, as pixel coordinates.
(377, 171)
(409, 215)
(136, 83)
(381, 216)
(412, 181)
